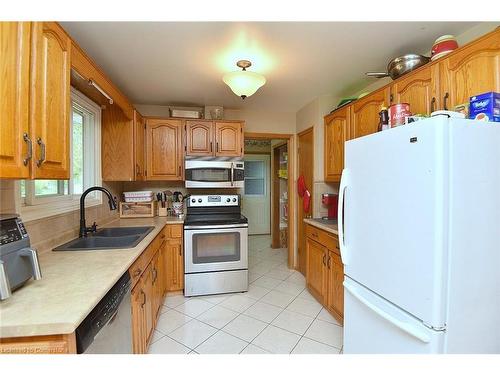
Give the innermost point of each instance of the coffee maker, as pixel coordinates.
(332, 202)
(18, 260)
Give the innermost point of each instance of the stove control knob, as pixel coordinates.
(199, 200)
(193, 200)
(234, 199)
(228, 200)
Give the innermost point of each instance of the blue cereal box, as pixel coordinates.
(485, 107)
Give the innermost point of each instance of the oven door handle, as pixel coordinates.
(223, 226)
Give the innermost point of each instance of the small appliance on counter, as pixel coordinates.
(332, 202)
(18, 261)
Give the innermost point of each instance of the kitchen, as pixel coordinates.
(122, 214)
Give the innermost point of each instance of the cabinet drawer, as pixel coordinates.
(174, 231)
(330, 241)
(137, 269)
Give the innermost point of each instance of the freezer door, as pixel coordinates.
(392, 238)
(374, 325)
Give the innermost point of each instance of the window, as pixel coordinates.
(42, 198)
(255, 177)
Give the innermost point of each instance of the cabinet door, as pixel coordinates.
(50, 101)
(336, 127)
(139, 147)
(174, 265)
(117, 152)
(199, 138)
(157, 285)
(14, 102)
(419, 89)
(364, 113)
(164, 151)
(147, 280)
(139, 328)
(335, 300)
(473, 70)
(228, 139)
(316, 269)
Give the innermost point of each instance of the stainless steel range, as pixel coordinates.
(215, 245)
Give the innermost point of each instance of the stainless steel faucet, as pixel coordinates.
(83, 226)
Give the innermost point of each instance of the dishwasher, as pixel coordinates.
(108, 327)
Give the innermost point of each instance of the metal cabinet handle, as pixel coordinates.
(329, 261)
(5, 291)
(35, 265)
(143, 298)
(324, 259)
(217, 146)
(29, 153)
(138, 170)
(179, 170)
(40, 161)
(391, 98)
(180, 250)
(211, 147)
(433, 103)
(445, 104)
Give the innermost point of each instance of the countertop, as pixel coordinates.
(72, 284)
(332, 228)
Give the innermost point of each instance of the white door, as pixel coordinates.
(374, 325)
(256, 205)
(394, 185)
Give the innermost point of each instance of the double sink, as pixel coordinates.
(108, 239)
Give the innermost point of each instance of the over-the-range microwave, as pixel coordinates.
(215, 174)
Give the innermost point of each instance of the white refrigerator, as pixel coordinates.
(420, 239)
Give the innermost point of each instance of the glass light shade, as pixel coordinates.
(244, 83)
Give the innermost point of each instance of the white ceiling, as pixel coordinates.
(182, 63)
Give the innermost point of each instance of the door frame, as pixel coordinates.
(311, 190)
(290, 140)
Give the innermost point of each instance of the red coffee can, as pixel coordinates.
(397, 114)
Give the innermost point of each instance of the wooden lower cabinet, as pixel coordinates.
(50, 344)
(325, 271)
(316, 269)
(161, 270)
(335, 290)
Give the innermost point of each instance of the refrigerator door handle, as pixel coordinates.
(344, 181)
(412, 330)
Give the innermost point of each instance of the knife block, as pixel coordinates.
(162, 211)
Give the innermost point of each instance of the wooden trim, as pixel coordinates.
(251, 135)
(258, 153)
(305, 131)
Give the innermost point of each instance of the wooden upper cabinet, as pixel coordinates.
(50, 101)
(336, 128)
(364, 113)
(14, 102)
(473, 70)
(139, 146)
(419, 89)
(199, 138)
(229, 138)
(316, 276)
(164, 151)
(117, 139)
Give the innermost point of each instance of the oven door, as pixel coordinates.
(216, 248)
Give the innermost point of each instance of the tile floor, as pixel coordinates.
(276, 315)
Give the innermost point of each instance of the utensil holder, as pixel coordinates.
(162, 211)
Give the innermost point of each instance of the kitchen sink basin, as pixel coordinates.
(122, 231)
(108, 239)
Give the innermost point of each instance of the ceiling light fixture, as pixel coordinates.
(242, 82)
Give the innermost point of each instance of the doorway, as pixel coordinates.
(305, 153)
(265, 195)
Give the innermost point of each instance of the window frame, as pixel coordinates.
(33, 207)
(262, 177)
